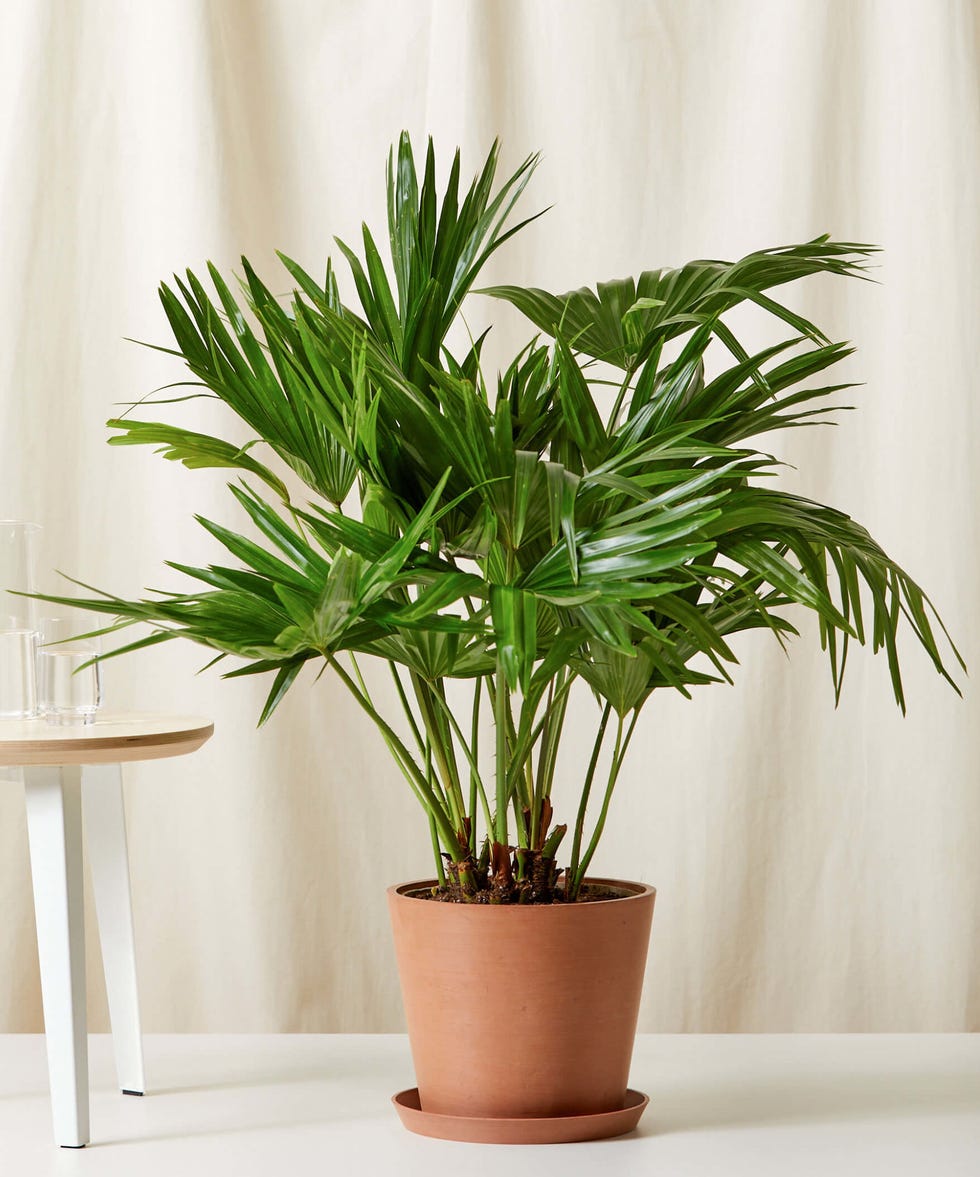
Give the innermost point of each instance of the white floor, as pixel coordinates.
(319, 1104)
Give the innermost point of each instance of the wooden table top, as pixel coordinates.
(113, 738)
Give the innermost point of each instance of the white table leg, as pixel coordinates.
(54, 826)
(105, 837)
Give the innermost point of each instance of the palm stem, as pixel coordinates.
(424, 746)
(475, 781)
(517, 761)
(443, 749)
(620, 397)
(421, 787)
(619, 754)
(407, 708)
(584, 799)
(501, 712)
(556, 707)
(433, 831)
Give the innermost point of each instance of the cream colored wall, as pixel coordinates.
(818, 870)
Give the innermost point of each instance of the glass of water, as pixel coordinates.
(18, 682)
(69, 674)
(18, 637)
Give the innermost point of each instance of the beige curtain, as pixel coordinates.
(817, 869)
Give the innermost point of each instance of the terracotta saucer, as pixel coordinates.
(546, 1130)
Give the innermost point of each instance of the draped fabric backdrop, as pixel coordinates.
(818, 870)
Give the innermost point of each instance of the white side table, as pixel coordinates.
(67, 770)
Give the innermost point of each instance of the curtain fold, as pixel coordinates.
(818, 870)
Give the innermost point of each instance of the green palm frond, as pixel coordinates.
(623, 320)
(513, 537)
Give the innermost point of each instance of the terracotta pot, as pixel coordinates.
(522, 1011)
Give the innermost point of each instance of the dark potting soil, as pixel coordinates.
(589, 893)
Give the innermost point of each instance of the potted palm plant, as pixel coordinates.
(598, 516)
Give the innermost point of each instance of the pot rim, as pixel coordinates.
(638, 891)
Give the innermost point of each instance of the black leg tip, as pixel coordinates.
(125, 1092)
(73, 1146)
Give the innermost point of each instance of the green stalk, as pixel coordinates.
(522, 839)
(435, 723)
(474, 770)
(501, 712)
(586, 790)
(550, 848)
(437, 692)
(517, 775)
(427, 797)
(619, 754)
(518, 758)
(445, 758)
(424, 746)
(476, 781)
(510, 740)
(553, 721)
(433, 832)
(555, 732)
(406, 706)
(542, 752)
(396, 752)
(620, 397)
(437, 851)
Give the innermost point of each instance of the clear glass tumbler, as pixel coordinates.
(18, 681)
(69, 673)
(18, 625)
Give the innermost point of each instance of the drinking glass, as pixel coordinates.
(18, 682)
(69, 673)
(18, 626)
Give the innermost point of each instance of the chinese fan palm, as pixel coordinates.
(547, 527)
